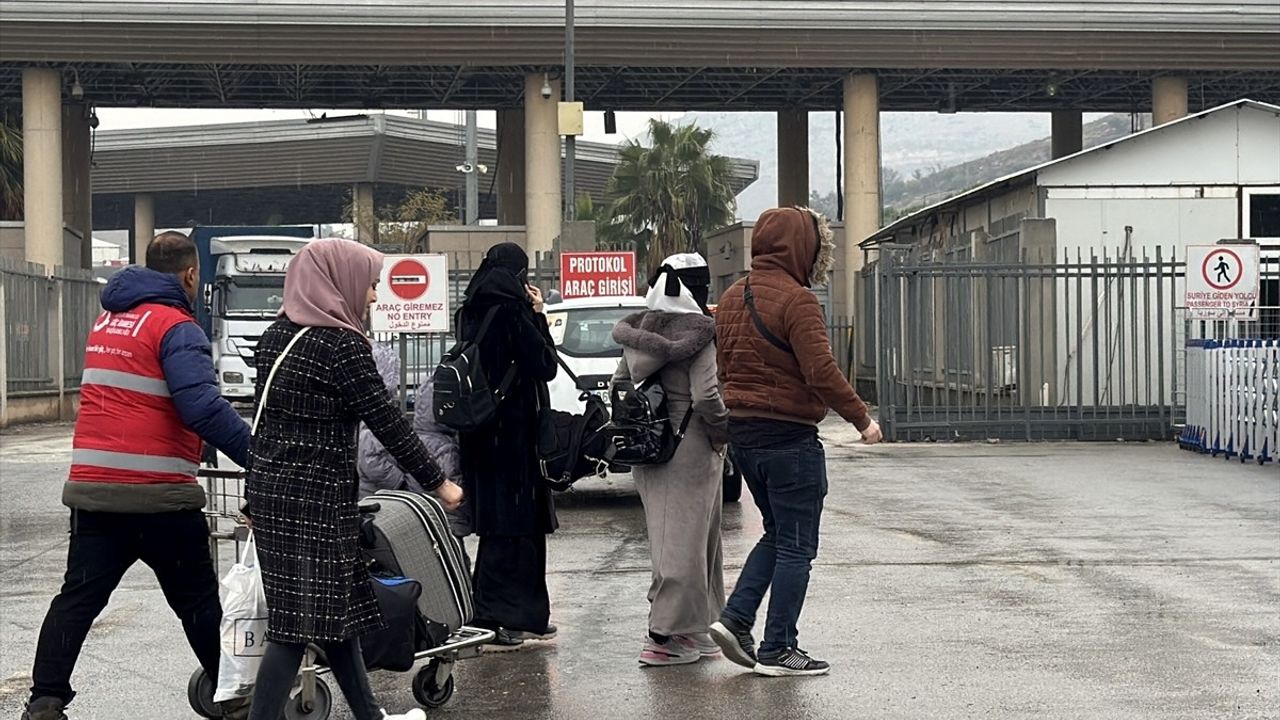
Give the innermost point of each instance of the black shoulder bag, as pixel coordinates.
(750, 299)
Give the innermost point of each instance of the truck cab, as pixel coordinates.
(243, 299)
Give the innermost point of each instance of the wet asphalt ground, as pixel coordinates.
(954, 581)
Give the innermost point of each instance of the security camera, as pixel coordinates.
(546, 88)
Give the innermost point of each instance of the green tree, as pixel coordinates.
(10, 164)
(671, 194)
(611, 232)
(404, 224)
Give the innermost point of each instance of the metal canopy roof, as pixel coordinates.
(640, 88)
(304, 170)
(912, 15)
(647, 55)
(362, 148)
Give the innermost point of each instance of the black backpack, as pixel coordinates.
(641, 424)
(461, 397)
(572, 446)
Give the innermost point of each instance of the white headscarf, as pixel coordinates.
(684, 303)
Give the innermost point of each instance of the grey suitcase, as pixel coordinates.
(417, 530)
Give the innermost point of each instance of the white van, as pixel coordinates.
(583, 333)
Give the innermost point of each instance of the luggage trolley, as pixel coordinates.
(432, 684)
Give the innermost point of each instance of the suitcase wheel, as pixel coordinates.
(427, 688)
(318, 709)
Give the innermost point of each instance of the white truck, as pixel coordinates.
(243, 299)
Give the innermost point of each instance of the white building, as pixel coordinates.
(1197, 180)
(1061, 337)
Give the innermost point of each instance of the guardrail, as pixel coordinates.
(1233, 399)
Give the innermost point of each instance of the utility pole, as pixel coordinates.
(570, 141)
(472, 162)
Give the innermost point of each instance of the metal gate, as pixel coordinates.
(1041, 348)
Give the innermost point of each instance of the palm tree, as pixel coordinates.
(675, 191)
(10, 165)
(611, 232)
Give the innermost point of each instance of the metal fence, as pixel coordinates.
(81, 304)
(28, 293)
(1233, 387)
(45, 321)
(1034, 348)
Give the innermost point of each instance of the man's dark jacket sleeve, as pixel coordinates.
(193, 384)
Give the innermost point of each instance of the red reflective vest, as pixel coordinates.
(131, 451)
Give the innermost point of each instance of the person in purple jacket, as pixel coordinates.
(379, 471)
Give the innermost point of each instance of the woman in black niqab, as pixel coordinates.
(511, 505)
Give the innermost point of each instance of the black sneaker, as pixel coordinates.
(503, 641)
(548, 634)
(45, 708)
(735, 640)
(790, 663)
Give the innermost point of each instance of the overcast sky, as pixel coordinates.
(630, 125)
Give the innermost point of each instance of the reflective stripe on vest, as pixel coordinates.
(131, 461)
(125, 381)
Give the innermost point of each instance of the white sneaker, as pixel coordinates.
(414, 714)
(706, 646)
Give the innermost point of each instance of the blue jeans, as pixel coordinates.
(788, 484)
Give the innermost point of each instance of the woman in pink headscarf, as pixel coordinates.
(302, 483)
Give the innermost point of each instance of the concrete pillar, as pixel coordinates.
(42, 166)
(364, 213)
(144, 226)
(542, 159)
(510, 170)
(1168, 99)
(1068, 133)
(793, 158)
(862, 174)
(77, 195)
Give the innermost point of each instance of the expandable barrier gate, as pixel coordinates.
(1233, 399)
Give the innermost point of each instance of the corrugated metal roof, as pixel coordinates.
(1158, 34)
(285, 153)
(914, 15)
(885, 234)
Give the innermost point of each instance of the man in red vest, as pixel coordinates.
(148, 398)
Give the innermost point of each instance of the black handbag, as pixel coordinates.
(393, 647)
(572, 446)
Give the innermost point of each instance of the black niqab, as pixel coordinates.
(501, 277)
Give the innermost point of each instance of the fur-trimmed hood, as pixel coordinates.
(797, 241)
(652, 339)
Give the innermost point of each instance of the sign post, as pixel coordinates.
(413, 295)
(1222, 282)
(597, 274)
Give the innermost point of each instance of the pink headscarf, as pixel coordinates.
(326, 283)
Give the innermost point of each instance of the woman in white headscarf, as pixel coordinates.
(675, 339)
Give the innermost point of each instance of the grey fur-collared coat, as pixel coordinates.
(682, 499)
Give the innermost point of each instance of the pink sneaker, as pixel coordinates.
(679, 650)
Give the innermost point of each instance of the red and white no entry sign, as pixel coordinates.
(409, 279)
(413, 295)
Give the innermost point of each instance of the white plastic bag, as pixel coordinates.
(244, 627)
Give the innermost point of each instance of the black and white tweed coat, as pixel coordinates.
(302, 483)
